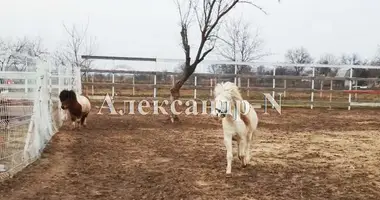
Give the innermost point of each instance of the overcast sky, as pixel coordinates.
(150, 27)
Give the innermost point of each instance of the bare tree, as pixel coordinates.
(327, 59)
(179, 68)
(214, 69)
(354, 59)
(298, 56)
(21, 54)
(77, 44)
(209, 15)
(240, 43)
(350, 59)
(376, 60)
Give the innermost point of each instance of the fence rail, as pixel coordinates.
(315, 91)
(30, 113)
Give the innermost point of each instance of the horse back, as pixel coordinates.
(88, 98)
(85, 103)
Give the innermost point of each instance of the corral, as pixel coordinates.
(343, 90)
(302, 154)
(328, 152)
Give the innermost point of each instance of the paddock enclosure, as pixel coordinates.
(344, 86)
(302, 154)
(330, 149)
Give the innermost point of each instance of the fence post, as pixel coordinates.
(92, 85)
(113, 86)
(350, 88)
(331, 89)
(50, 86)
(210, 87)
(78, 80)
(312, 90)
(195, 87)
(36, 112)
(321, 82)
(248, 87)
(59, 90)
(274, 83)
(133, 85)
(356, 88)
(46, 102)
(155, 83)
(235, 72)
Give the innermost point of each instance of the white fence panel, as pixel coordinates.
(30, 113)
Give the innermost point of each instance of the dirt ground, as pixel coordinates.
(302, 154)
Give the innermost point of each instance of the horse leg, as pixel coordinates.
(248, 152)
(248, 149)
(229, 156)
(78, 123)
(73, 123)
(83, 120)
(238, 147)
(242, 151)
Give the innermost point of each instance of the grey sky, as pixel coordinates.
(150, 27)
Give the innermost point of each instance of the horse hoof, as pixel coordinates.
(228, 175)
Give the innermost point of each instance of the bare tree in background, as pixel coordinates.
(179, 68)
(215, 69)
(376, 59)
(375, 62)
(240, 43)
(350, 59)
(77, 44)
(209, 15)
(327, 59)
(354, 59)
(298, 56)
(21, 54)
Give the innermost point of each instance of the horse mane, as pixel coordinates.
(68, 95)
(229, 90)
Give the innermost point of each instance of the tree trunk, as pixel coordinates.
(174, 91)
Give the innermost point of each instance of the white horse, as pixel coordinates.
(239, 121)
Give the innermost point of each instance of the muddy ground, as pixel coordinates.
(302, 154)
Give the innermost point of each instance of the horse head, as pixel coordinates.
(67, 98)
(226, 95)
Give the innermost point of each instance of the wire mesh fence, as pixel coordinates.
(15, 119)
(30, 113)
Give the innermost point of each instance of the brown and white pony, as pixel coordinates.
(79, 107)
